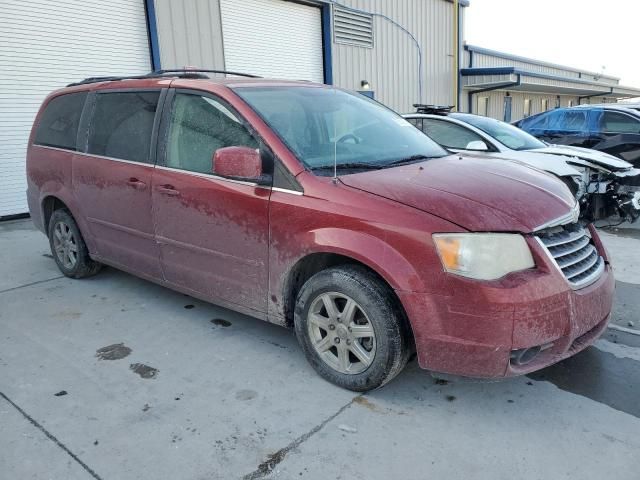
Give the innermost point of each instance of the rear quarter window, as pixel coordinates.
(58, 124)
(574, 120)
(539, 121)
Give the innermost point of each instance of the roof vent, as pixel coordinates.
(352, 27)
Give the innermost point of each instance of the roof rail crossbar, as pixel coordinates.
(433, 109)
(180, 73)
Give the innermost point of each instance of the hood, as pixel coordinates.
(476, 193)
(543, 161)
(586, 157)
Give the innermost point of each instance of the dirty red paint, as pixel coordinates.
(235, 244)
(237, 162)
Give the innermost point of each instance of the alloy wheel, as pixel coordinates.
(341, 333)
(65, 245)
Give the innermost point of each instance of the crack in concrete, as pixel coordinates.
(51, 437)
(266, 467)
(30, 284)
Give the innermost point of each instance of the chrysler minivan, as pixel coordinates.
(319, 209)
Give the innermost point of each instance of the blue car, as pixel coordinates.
(610, 128)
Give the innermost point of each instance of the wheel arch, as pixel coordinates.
(307, 266)
(56, 199)
(50, 204)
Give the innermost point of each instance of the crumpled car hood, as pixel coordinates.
(587, 157)
(543, 161)
(474, 192)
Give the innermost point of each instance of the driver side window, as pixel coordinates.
(614, 122)
(450, 135)
(198, 127)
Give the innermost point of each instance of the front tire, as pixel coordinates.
(350, 329)
(68, 247)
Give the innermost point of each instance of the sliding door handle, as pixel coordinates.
(168, 190)
(137, 184)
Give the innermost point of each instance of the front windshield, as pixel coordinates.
(508, 135)
(323, 124)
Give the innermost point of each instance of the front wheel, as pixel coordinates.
(350, 329)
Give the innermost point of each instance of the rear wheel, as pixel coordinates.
(350, 329)
(68, 247)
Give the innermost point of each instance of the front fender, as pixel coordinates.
(373, 252)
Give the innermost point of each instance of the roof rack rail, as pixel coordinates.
(180, 73)
(187, 71)
(433, 109)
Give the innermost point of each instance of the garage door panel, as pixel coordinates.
(273, 38)
(44, 46)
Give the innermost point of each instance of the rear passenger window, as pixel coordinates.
(121, 125)
(199, 126)
(58, 125)
(450, 135)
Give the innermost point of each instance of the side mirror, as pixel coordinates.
(477, 145)
(239, 163)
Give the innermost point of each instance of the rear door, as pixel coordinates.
(213, 231)
(112, 178)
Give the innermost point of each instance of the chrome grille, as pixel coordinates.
(573, 251)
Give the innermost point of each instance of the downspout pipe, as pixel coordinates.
(517, 83)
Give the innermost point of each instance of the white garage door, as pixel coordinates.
(45, 45)
(272, 38)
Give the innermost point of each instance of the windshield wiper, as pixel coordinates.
(411, 159)
(350, 166)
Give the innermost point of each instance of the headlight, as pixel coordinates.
(484, 256)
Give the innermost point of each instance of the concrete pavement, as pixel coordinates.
(199, 392)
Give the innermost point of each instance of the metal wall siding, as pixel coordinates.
(391, 66)
(190, 33)
(40, 53)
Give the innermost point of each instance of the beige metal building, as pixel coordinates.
(400, 52)
(405, 51)
(509, 87)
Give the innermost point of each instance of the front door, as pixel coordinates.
(112, 179)
(213, 232)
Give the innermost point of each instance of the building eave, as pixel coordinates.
(533, 61)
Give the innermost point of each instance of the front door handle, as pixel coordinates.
(168, 190)
(137, 184)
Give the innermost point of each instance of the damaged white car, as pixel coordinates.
(606, 187)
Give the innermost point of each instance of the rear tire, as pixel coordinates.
(68, 248)
(350, 328)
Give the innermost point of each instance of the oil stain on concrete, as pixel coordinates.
(145, 371)
(246, 394)
(221, 322)
(116, 351)
(599, 376)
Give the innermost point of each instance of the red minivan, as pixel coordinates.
(319, 209)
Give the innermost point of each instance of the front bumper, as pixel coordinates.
(473, 330)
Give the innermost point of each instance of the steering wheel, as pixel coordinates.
(347, 137)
